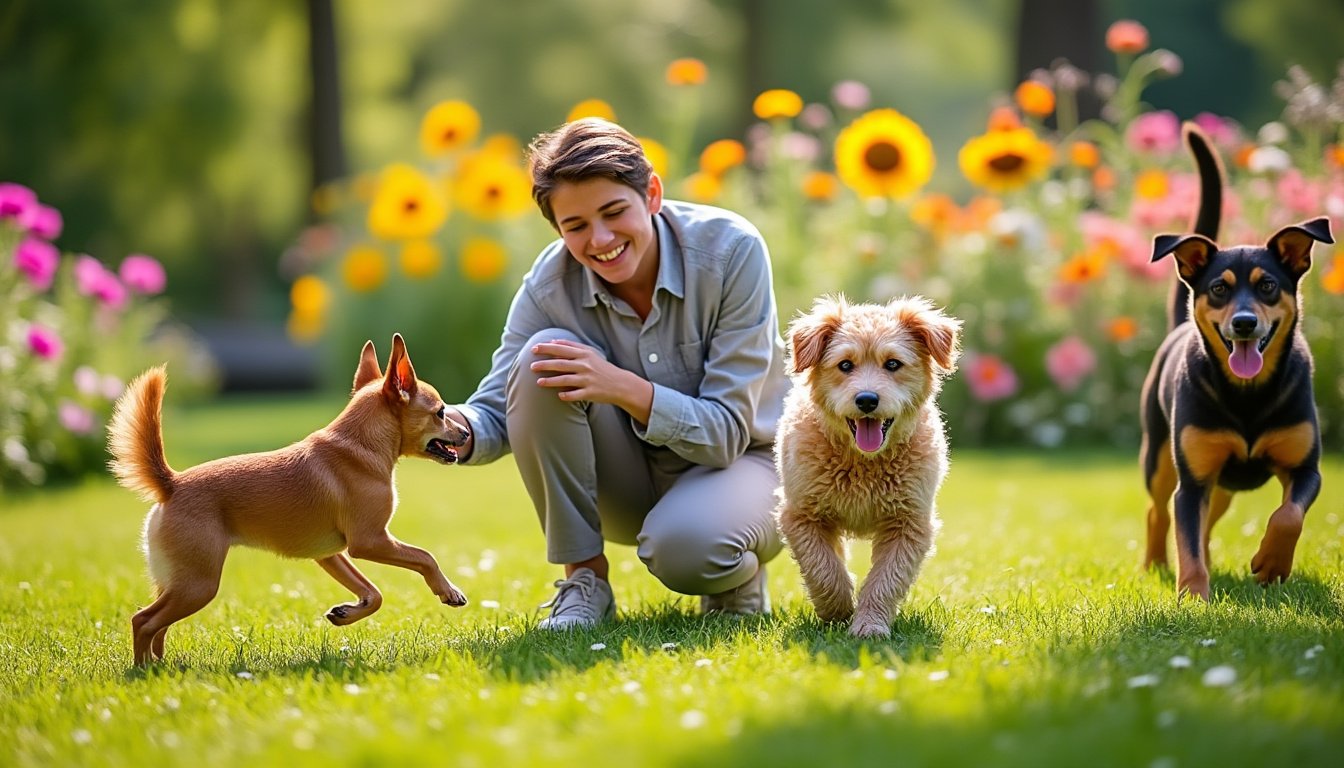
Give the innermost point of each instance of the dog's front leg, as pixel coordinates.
(344, 571)
(1192, 575)
(381, 547)
(818, 549)
(1274, 560)
(897, 557)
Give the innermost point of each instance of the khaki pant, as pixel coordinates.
(700, 530)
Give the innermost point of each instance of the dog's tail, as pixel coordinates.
(1209, 217)
(135, 438)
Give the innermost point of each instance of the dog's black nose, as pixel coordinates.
(866, 401)
(1243, 323)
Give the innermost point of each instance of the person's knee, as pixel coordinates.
(522, 381)
(692, 560)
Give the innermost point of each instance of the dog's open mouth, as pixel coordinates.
(440, 450)
(869, 433)
(1246, 357)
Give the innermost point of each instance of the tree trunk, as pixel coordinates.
(326, 141)
(1048, 30)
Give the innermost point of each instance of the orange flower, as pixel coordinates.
(1035, 98)
(721, 155)
(591, 108)
(1334, 279)
(687, 72)
(977, 213)
(1242, 157)
(420, 259)
(1334, 155)
(448, 126)
(777, 103)
(656, 153)
(1151, 185)
(935, 213)
(703, 187)
(364, 268)
(1127, 37)
(482, 260)
(309, 295)
(1122, 328)
(1103, 178)
(1084, 267)
(821, 186)
(1084, 154)
(1004, 119)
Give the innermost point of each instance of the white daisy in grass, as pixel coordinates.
(1179, 662)
(890, 674)
(989, 610)
(489, 603)
(1143, 681)
(1313, 651)
(81, 736)
(598, 646)
(888, 707)
(704, 662)
(432, 676)
(631, 686)
(1208, 642)
(1220, 676)
(352, 689)
(669, 646)
(244, 675)
(693, 718)
(938, 676)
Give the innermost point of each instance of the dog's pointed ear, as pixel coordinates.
(400, 383)
(368, 369)
(809, 334)
(939, 333)
(1292, 244)
(1193, 252)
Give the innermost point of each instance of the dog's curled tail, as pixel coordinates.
(135, 438)
(1208, 219)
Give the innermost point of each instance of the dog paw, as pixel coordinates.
(832, 612)
(454, 598)
(869, 627)
(340, 615)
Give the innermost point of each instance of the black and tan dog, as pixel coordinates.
(1228, 401)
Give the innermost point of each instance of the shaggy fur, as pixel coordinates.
(861, 450)
(328, 497)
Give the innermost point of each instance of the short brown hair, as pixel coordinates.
(590, 148)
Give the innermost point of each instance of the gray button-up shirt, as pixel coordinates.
(710, 346)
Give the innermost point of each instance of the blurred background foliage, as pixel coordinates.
(211, 134)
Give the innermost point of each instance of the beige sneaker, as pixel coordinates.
(750, 598)
(582, 602)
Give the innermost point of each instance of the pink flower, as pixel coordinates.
(1126, 36)
(990, 378)
(1125, 242)
(1223, 131)
(38, 260)
(1069, 362)
(44, 342)
(86, 380)
(1301, 197)
(1157, 133)
(851, 94)
(111, 386)
(75, 417)
(45, 222)
(17, 202)
(143, 274)
(93, 279)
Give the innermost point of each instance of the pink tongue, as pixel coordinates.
(868, 434)
(1245, 360)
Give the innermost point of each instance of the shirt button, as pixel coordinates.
(653, 357)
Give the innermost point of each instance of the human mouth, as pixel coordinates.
(610, 255)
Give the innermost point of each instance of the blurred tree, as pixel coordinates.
(1049, 30)
(325, 134)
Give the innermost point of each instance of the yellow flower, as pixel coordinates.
(364, 268)
(1151, 185)
(1004, 160)
(502, 145)
(703, 187)
(482, 260)
(687, 72)
(1035, 98)
(777, 103)
(406, 205)
(657, 155)
(591, 108)
(303, 327)
(310, 295)
(820, 186)
(448, 126)
(491, 188)
(884, 154)
(420, 259)
(722, 155)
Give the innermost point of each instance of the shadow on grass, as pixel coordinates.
(1305, 592)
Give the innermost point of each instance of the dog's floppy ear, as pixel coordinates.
(1193, 252)
(810, 333)
(368, 369)
(936, 331)
(400, 382)
(1292, 244)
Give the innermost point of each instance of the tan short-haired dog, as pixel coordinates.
(861, 450)
(328, 497)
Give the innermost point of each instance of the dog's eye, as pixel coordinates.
(893, 365)
(443, 411)
(845, 366)
(1267, 287)
(1218, 290)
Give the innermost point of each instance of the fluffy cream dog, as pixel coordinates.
(861, 450)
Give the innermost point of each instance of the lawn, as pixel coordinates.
(1032, 638)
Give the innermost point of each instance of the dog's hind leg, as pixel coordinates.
(381, 547)
(1160, 474)
(897, 557)
(344, 571)
(186, 568)
(819, 552)
(1219, 501)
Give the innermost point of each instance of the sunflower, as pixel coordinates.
(482, 260)
(719, 156)
(420, 259)
(490, 187)
(448, 126)
(777, 103)
(406, 205)
(1005, 160)
(591, 108)
(309, 295)
(364, 268)
(884, 154)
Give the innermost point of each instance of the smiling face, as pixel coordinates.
(608, 227)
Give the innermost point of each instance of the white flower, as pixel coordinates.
(704, 662)
(669, 646)
(631, 686)
(81, 736)
(1273, 133)
(989, 610)
(1269, 160)
(890, 674)
(938, 676)
(693, 718)
(1313, 651)
(245, 675)
(1143, 681)
(432, 676)
(1208, 642)
(1179, 662)
(1220, 676)
(352, 689)
(888, 707)
(598, 646)
(489, 603)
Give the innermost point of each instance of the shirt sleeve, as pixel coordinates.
(714, 429)
(484, 410)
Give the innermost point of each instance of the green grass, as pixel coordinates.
(1031, 638)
